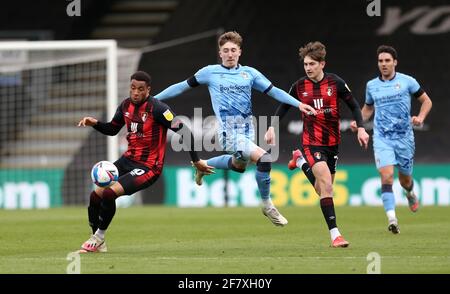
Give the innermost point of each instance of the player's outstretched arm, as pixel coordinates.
(284, 97)
(200, 164)
(87, 122)
(203, 166)
(307, 109)
(109, 128)
(166, 117)
(174, 90)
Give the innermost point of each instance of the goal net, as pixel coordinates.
(45, 89)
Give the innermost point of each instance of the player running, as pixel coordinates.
(321, 133)
(230, 85)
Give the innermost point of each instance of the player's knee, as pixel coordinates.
(406, 182)
(387, 178)
(109, 194)
(264, 163)
(325, 188)
(328, 189)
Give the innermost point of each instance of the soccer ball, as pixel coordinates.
(104, 173)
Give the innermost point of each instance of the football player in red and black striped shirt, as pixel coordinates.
(321, 133)
(147, 120)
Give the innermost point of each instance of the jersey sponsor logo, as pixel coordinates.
(134, 127)
(329, 91)
(234, 88)
(318, 103)
(168, 115)
(144, 116)
(137, 172)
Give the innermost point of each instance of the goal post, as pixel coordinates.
(109, 46)
(46, 87)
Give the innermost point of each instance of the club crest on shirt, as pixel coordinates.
(317, 155)
(397, 86)
(329, 91)
(168, 115)
(244, 75)
(144, 116)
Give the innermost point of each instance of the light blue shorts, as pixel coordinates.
(399, 152)
(239, 145)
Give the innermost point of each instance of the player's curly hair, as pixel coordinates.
(233, 37)
(141, 76)
(387, 49)
(314, 50)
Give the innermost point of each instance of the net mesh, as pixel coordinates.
(45, 159)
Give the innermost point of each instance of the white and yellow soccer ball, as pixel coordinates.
(104, 173)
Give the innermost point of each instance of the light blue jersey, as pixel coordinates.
(231, 92)
(393, 136)
(392, 101)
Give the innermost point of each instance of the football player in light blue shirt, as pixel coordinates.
(230, 85)
(389, 96)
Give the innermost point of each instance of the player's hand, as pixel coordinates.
(202, 166)
(269, 137)
(307, 109)
(87, 121)
(417, 121)
(363, 138)
(353, 126)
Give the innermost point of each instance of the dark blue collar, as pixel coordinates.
(381, 79)
(237, 67)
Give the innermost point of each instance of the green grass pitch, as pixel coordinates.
(156, 239)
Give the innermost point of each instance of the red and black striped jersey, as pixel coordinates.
(147, 125)
(322, 129)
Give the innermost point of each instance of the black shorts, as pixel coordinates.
(329, 154)
(134, 176)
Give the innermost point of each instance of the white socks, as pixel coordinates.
(100, 233)
(391, 215)
(334, 233)
(300, 161)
